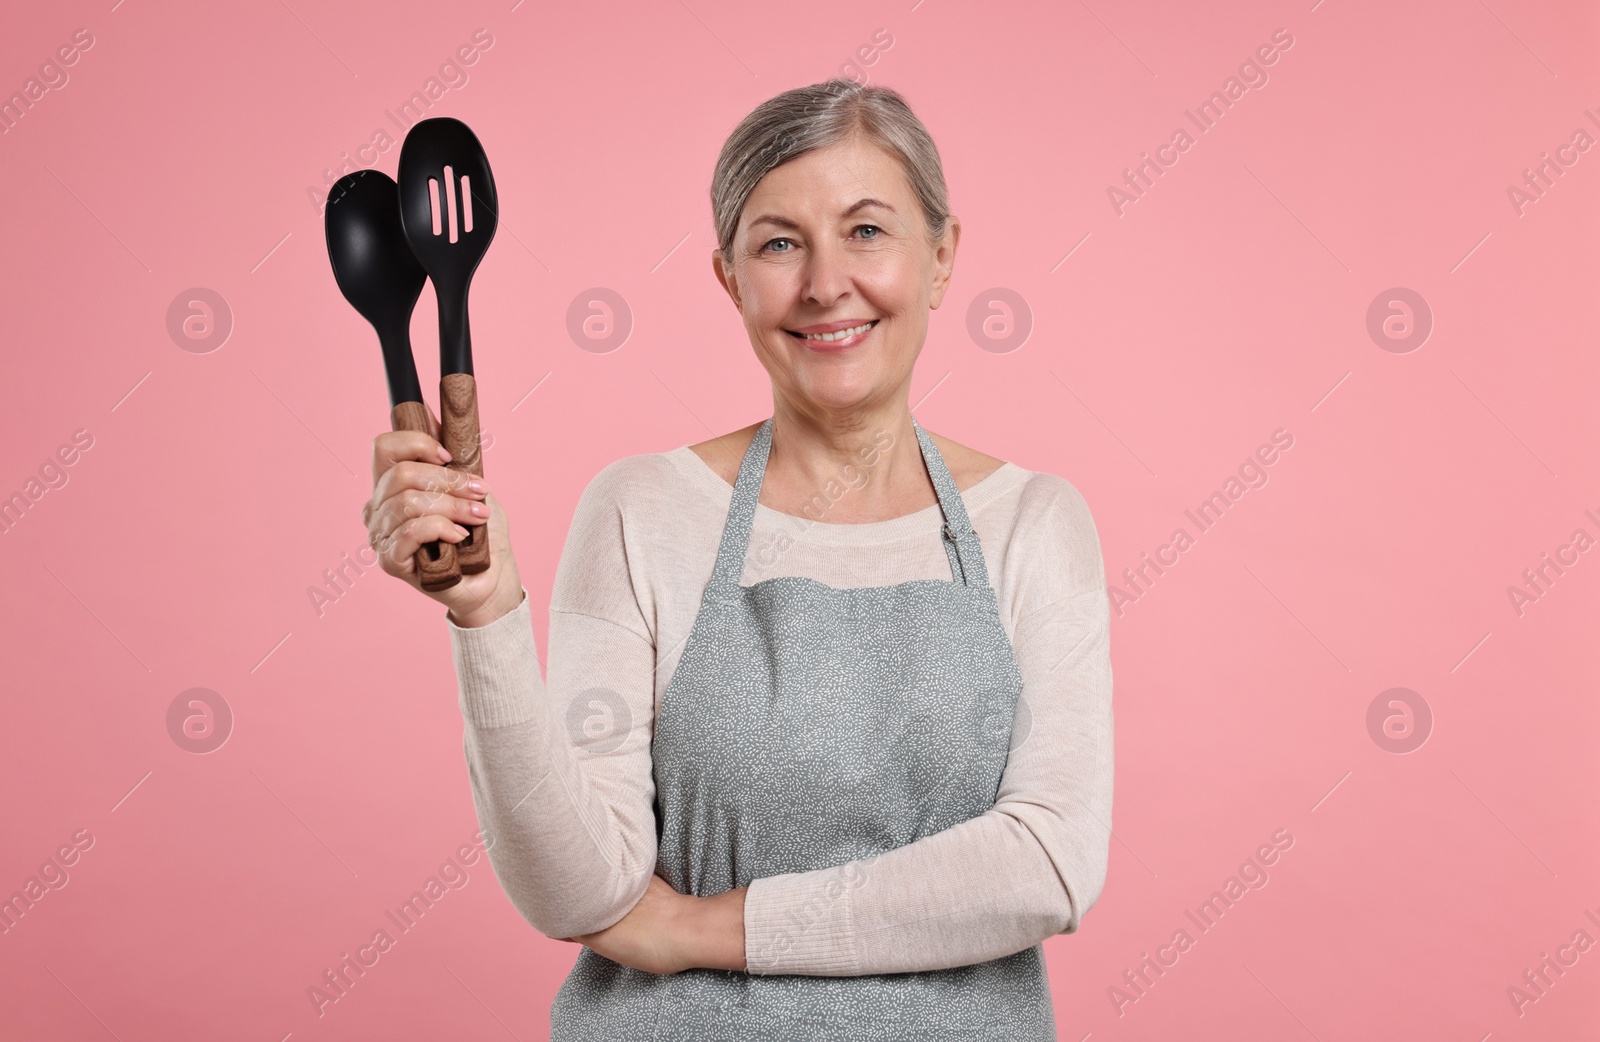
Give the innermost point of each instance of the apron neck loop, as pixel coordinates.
(959, 538)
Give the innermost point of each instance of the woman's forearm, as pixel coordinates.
(995, 884)
(929, 906)
(711, 932)
(979, 891)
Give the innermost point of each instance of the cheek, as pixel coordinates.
(897, 282)
(764, 321)
(768, 297)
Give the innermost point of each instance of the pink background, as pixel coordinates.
(1165, 345)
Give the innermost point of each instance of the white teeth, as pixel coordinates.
(841, 334)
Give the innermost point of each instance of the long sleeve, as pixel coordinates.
(1023, 871)
(561, 772)
(560, 769)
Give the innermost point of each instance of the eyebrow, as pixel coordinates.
(784, 222)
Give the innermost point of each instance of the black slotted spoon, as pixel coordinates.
(380, 277)
(449, 211)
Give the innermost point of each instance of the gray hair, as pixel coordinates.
(804, 119)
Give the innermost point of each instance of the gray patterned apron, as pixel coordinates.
(806, 727)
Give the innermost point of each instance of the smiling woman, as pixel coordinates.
(852, 786)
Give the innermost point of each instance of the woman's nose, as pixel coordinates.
(827, 274)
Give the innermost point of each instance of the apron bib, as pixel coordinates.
(803, 728)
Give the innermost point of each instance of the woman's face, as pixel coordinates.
(836, 239)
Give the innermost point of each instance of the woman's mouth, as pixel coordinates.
(838, 340)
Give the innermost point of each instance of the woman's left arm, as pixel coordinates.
(996, 884)
(991, 886)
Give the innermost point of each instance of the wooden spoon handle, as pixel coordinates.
(458, 421)
(436, 561)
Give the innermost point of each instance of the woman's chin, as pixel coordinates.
(839, 395)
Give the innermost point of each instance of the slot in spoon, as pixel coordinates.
(449, 211)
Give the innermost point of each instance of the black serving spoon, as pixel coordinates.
(380, 277)
(449, 211)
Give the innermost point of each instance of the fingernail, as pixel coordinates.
(444, 454)
(477, 486)
(463, 531)
(479, 510)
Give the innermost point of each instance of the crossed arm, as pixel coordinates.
(575, 836)
(561, 778)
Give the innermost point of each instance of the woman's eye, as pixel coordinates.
(768, 245)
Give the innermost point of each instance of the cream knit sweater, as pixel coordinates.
(560, 765)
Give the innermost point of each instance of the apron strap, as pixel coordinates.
(741, 514)
(960, 541)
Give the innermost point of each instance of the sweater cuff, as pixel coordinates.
(801, 923)
(497, 668)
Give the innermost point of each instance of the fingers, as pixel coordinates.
(431, 478)
(409, 504)
(408, 461)
(411, 488)
(416, 499)
(397, 550)
(391, 447)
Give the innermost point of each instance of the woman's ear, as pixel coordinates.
(944, 259)
(726, 276)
